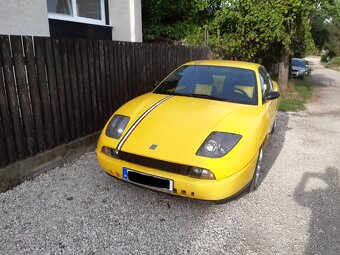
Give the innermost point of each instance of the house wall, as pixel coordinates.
(126, 19)
(22, 17)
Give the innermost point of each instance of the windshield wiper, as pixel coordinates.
(199, 96)
(170, 93)
(205, 96)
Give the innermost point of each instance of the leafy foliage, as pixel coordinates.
(240, 29)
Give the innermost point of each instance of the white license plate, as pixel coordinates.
(148, 180)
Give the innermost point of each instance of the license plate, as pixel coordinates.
(148, 180)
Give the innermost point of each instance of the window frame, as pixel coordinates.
(76, 18)
(265, 75)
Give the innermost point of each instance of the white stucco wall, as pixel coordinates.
(29, 17)
(126, 20)
(24, 17)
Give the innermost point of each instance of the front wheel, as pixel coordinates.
(255, 183)
(272, 131)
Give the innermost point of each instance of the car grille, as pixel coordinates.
(154, 163)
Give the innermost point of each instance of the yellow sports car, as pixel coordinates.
(199, 134)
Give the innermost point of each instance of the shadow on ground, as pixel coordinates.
(322, 80)
(320, 192)
(276, 142)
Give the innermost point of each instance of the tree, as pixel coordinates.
(175, 21)
(238, 29)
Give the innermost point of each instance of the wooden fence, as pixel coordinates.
(53, 90)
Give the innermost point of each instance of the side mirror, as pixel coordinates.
(155, 83)
(275, 86)
(272, 95)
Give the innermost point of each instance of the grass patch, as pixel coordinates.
(295, 97)
(334, 64)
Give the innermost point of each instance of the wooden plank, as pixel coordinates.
(134, 73)
(137, 79)
(142, 67)
(98, 84)
(87, 88)
(149, 63)
(181, 55)
(74, 87)
(84, 122)
(52, 85)
(68, 89)
(138, 70)
(44, 93)
(7, 128)
(14, 106)
(154, 63)
(92, 78)
(118, 63)
(124, 72)
(61, 90)
(103, 84)
(117, 88)
(187, 53)
(173, 57)
(129, 72)
(163, 62)
(158, 63)
(34, 93)
(113, 76)
(3, 149)
(108, 79)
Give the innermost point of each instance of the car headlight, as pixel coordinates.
(116, 126)
(202, 173)
(218, 144)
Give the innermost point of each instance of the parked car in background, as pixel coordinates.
(200, 134)
(299, 68)
(309, 68)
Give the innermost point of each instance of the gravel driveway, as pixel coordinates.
(78, 209)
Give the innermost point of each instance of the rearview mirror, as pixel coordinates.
(272, 95)
(154, 84)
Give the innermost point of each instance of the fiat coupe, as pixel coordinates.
(200, 133)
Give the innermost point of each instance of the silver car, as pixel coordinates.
(299, 68)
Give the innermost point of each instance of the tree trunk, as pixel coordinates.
(284, 70)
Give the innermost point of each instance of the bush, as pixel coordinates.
(324, 57)
(335, 62)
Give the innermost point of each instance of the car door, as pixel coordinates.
(269, 105)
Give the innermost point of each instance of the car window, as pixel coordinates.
(266, 82)
(298, 63)
(212, 82)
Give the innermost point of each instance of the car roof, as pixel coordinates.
(227, 63)
(298, 59)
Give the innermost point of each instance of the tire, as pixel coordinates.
(272, 131)
(255, 182)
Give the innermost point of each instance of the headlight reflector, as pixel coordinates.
(218, 144)
(110, 152)
(202, 173)
(117, 126)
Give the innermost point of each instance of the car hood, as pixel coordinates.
(179, 125)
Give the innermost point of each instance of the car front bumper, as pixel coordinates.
(184, 185)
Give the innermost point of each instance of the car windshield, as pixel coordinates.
(298, 63)
(212, 82)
